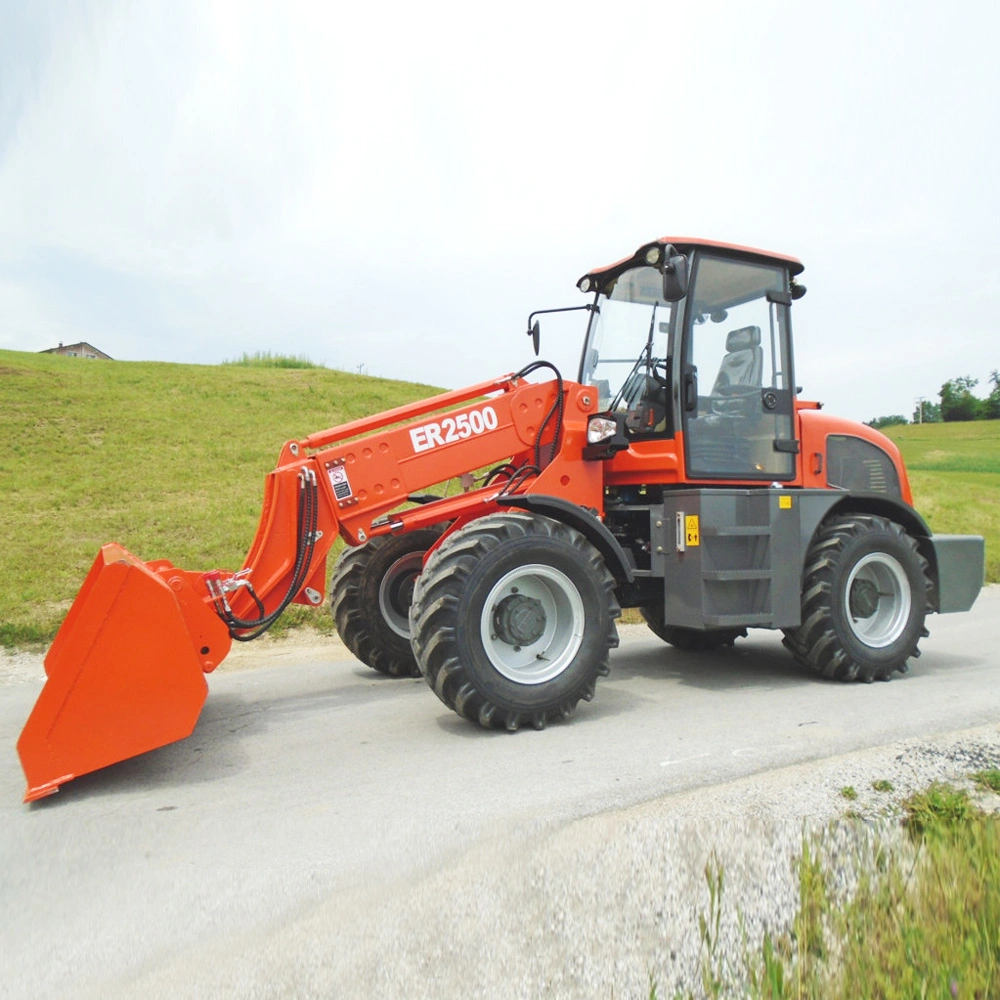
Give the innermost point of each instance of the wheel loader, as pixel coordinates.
(680, 474)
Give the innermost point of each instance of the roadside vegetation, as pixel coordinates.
(169, 460)
(919, 917)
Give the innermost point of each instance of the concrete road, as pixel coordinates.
(318, 794)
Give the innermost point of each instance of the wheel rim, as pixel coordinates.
(395, 592)
(532, 624)
(878, 599)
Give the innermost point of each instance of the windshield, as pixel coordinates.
(628, 337)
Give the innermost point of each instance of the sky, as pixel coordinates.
(393, 187)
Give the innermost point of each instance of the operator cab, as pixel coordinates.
(707, 358)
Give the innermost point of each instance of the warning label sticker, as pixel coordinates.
(339, 481)
(692, 533)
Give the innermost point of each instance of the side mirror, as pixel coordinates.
(536, 337)
(675, 276)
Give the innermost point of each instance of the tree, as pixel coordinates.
(957, 401)
(879, 422)
(991, 404)
(926, 412)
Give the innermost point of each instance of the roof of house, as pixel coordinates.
(83, 349)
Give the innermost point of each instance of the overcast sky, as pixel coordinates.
(398, 185)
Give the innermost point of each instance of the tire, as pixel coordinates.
(865, 594)
(691, 640)
(512, 620)
(370, 594)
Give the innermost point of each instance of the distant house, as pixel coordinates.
(81, 350)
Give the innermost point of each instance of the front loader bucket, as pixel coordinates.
(125, 673)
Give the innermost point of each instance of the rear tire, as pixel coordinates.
(512, 620)
(865, 595)
(371, 590)
(691, 640)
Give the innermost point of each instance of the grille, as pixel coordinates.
(857, 465)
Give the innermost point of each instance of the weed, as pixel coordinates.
(937, 809)
(265, 359)
(988, 780)
(813, 903)
(849, 792)
(713, 979)
(881, 785)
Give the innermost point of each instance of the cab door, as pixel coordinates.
(737, 384)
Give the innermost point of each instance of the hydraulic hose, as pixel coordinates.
(307, 516)
(557, 409)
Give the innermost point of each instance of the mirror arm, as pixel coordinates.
(535, 333)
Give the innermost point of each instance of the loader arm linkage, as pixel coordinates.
(125, 673)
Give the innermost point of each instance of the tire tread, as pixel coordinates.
(438, 593)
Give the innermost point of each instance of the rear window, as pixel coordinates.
(860, 466)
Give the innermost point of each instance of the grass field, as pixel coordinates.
(169, 460)
(954, 473)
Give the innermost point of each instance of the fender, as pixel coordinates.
(826, 502)
(953, 569)
(575, 516)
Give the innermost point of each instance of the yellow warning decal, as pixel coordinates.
(785, 502)
(692, 532)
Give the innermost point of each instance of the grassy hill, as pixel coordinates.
(169, 460)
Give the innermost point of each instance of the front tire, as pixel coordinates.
(864, 599)
(512, 620)
(371, 590)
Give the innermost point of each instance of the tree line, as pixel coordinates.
(957, 403)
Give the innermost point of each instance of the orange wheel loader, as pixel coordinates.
(680, 474)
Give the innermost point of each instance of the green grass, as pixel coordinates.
(169, 460)
(954, 472)
(265, 359)
(972, 446)
(988, 780)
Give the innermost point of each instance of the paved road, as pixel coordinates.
(321, 788)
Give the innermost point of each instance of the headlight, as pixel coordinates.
(600, 429)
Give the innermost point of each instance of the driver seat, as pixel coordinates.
(743, 364)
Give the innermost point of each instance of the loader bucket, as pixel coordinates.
(125, 673)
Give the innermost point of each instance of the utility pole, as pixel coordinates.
(920, 409)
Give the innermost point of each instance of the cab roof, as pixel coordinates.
(601, 275)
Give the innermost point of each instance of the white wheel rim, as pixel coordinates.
(542, 658)
(891, 609)
(400, 574)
